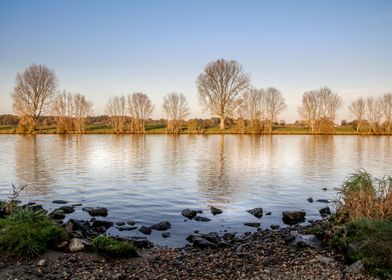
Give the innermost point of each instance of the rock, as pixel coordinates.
(36, 207)
(293, 217)
(62, 245)
(162, 226)
(141, 242)
(199, 211)
(228, 236)
(188, 213)
(252, 224)
(131, 223)
(257, 212)
(310, 200)
(324, 189)
(76, 204)
(268, 213)
(41, 262)
(215, 211)
(96, 211)
(355, 268)
(303, 240)
(57, 214)
(212, 237)
(67, 209)
(101, 223)
(77, 245)
(325, 260)
(324, 212)
(165, 234)
(274, 227)
(120, 224)
(201, 219)
(127, 228)
(200, 242)
(322, 200)
(100, 229)
(145, 230)
(59, 201)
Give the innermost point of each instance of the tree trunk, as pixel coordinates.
(222, 123)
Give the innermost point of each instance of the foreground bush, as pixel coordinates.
(26, 233)
(363, 196)
(362, 225)
(110, 248)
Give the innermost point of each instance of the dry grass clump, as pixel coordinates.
(364, 196)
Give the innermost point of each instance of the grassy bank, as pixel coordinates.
(361, 228)
(161, 129)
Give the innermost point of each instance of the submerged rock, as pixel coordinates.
(257, 212)
(126, 228)
(120, 224)
(145, 230)
(293, 217)
(252, 224)
(201, 219)
(322, 200)
(96, 211)
(188, 213)
(59, 201)
(310, 200)
(215, 211)
(165, 234)
(162, 226)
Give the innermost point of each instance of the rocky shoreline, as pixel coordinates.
(276, 253)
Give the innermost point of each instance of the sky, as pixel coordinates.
(106, 48)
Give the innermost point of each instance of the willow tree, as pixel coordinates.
(140, 109)
(220, 85)
(176, 110)
(33, 92)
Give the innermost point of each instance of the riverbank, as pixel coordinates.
(161, 129)
(265, 254)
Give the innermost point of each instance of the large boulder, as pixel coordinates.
(162, 226)
(293, 217)
(188, 213)
(257, 212)
(96, 211)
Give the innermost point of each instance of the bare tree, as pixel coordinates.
(176, 110)
(386, 108)
(140, 108)
(33, 91)
(82, 108)
(373, 113)
(275, 104)
(116, 110)
(358, 109)
(219, 86)
(319, 109)
(62, 109)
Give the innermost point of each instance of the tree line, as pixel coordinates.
(224, 91)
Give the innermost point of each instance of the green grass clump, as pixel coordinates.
(26, 233)
(110, 248)
(374, 244)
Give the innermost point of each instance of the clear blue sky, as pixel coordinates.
(104, 48)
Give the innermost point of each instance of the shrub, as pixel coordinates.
(110, 248)
(363, 196)
(26, 233)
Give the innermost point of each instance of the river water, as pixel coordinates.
(151, 178)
